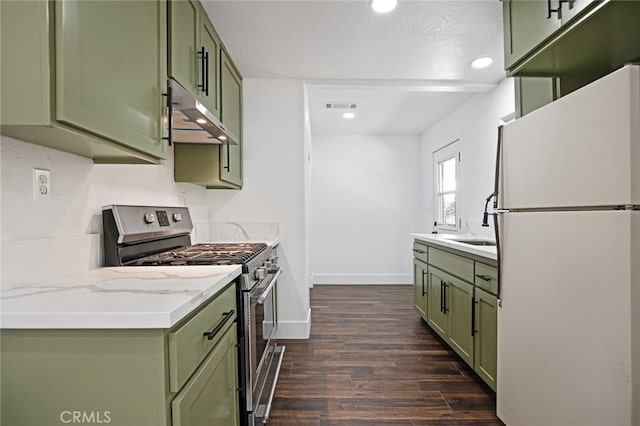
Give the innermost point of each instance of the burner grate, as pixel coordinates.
(205, 254)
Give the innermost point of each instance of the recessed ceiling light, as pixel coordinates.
(348, 115)
(222, 137)
(201, 121)
(383, 6)
(481, 62)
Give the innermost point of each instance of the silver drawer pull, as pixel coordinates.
(483, 277)
(227, 316)
(419, 251)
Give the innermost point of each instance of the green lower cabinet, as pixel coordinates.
(436, 316)
(420, 286)
(211, 397)
(486, 336)
(459, 300)
(49, 376)
(464, 314)
(121, 377)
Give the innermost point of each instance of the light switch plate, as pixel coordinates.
(41, 184)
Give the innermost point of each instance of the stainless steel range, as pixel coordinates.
(160, 236)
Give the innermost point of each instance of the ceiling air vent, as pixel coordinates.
(340, 105)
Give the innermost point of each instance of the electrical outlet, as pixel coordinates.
(41, 184)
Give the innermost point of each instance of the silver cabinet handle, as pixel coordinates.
(483, 277)
(419, 251)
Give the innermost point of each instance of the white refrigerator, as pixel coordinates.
(568, 230)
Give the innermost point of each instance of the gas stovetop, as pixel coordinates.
(204, 254)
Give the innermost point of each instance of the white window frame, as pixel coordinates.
(451, 150)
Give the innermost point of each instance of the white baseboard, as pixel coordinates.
(363, 279)
(295, 329)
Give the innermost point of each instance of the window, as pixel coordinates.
(446, 166)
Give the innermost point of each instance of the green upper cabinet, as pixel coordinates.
(194, 52)
(184, 18)
(577, 41)
(210, 48)
(573, 8)
(231, 117)
(526, 24)
(109, 79)
(198, 61)
(74, 81)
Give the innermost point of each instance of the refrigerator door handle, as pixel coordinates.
(496, 180)
(496, 227)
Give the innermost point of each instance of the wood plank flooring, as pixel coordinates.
(372, 361)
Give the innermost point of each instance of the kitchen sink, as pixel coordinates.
(476, 242)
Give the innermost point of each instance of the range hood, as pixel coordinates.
(192, 122)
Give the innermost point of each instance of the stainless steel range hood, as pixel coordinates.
(192, 122)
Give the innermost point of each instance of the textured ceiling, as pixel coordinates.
(344, 42)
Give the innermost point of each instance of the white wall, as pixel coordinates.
(475, 123)
(47, 238)
(366, 201)
(274, 189)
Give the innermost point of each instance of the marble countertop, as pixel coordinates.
(445, 240)
(115, 297)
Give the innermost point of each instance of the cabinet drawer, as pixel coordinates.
(486, 278)
(453, 264)
(211, 396)
(420, 251)
(188, 345)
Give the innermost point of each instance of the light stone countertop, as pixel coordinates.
(114, 297)
(445, 240)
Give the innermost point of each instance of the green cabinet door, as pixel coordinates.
(110, 70)
(420, 279)
(231, 117)
(24, 78)
(533, 93)
(574, 7)
(183, 46)
(486, 335)
(526, 25)
(436, 316)
(210, 45)
(459, 300)
(211, 396)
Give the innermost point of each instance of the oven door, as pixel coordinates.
(264, 319)
(262, 326)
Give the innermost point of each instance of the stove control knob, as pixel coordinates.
(273, 260)
(261, 273)
(149, 218)
(177, 217)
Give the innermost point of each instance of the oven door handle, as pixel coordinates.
(267, 290)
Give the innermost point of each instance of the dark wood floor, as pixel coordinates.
(371, 360)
